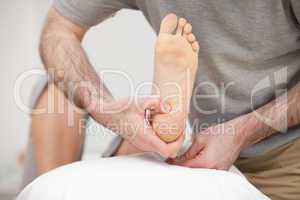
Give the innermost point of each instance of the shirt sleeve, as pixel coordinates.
(88, 13)
(296, 9)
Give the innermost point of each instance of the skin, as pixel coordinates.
(69, 67)
(205, 151)
(176, 63)
(52, 136)
(218, 149)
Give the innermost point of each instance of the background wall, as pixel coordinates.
(124, 43)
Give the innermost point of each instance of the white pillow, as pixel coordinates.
(140, 177)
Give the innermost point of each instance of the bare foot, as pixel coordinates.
(176, 56)
(176, 63)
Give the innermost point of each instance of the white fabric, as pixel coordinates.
(135, 178)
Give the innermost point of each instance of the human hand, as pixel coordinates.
(127, 118)
(217, 147)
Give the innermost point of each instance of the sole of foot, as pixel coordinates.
(176, 56)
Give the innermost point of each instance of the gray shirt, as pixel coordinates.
(250, 52)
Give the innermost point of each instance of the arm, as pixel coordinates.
(53, 131)
(70, 69)
(278, 115)
(66, 61)
(227, 140)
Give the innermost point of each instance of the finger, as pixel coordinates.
(155, 144)
(175, 147)
(200, 161)
(164, 108)
(161, 108)
(149, 102)
(193, 151)
(154, 104)
(190, 154)
(193, 163)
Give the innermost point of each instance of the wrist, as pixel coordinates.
(250, 130)
(104, 112)
(243, 129)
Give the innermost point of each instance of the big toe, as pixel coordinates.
(169, 24)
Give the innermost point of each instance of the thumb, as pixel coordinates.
(197, 162)
(202, 160)
(154, 104)
(190, 154)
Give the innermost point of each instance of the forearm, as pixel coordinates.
(278, 115)
(68, 64)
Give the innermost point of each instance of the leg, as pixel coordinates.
(55, 143)
(176, 63)
(275, 173)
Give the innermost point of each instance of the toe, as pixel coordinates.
(169, 24)
(187, 29)
(182, 22)
(191, 37)
(196, 46)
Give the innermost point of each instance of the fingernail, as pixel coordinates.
(167, 107)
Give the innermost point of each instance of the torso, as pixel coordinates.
(248, 50)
